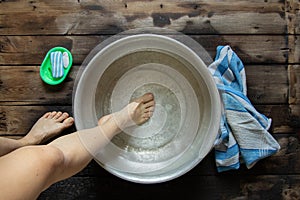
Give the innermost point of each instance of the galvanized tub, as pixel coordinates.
(185, 123)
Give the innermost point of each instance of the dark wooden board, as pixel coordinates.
(31, 50)
(206, 187)
(264, 33)
(110, 17)
(18, 120)
(276, 177)
(13, 122)
(267, 84)
(23, 85)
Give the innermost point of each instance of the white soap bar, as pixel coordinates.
(65, 59)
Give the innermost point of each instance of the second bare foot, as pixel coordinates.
(48, 126)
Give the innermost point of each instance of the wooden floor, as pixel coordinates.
(264, 33)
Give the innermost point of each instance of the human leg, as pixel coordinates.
(48, 126)
(79, 147)
(32, 169)
(23, 172)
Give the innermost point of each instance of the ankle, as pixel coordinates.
(27, 140)
(115, 126)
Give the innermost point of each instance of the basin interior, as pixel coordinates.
(164, 96)
(170, 122)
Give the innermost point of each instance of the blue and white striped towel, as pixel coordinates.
(56, 59)
(244, 132)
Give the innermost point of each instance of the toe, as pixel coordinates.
(68, 122)
(57, 115)
(62, 117)
(148, 114)
(52, 114)
(47, 114)
(151, 103)
(145, 98)
(150, 109)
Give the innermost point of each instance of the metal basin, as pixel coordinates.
(185, 123)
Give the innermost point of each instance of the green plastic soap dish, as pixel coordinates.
(46, 68)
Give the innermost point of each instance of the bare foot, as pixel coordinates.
(142, 109)
(135, 113)
(48, 126)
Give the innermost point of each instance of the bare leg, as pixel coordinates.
(48, 126)
(79, 147)
(46, 164)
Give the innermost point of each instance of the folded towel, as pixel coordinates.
(56, 59)
(244, 132)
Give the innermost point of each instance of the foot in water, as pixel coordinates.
(137, 112)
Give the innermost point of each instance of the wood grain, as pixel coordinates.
(294, 94)
(275, 177)
(110, 17)
(266, 85)
(23, 85)
(252, 49)
(264, 34)
(18, 120)
(229, 187)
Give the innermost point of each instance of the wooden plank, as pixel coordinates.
(293, 16)
(251, 49)
(30, 50)
(283, 120)
(72, 188)
(264, 178)
(294, 49)
(265, 34)
(294, 95)
(26, 50)
(297, 17)
(200, 187)
(18, 120)
(286, 161)
(267, 84)
(12, 121)
(111, 17)
(294, 70)
(294, 83)
(23, 85)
